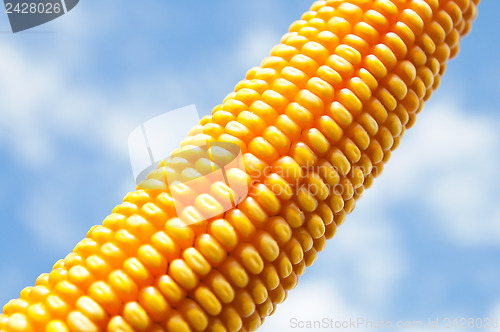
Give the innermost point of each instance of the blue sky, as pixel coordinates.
(423, 241)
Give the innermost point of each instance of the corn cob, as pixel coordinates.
(323, 112)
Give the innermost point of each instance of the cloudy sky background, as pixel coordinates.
(423, 242)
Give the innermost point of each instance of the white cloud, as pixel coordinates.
(311, 301)
(360, 269)
(256, 43)
(448, 164)
(46, 217)
(494, 317)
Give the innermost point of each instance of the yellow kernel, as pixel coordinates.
(208, 206)
(288, 169)
(413, 20)
(244, 303)
(136, 316)
(195, 315)
(306, 243)
(375, 66)
(250, 258)
(266, 198)
(138, 197)
(339, 26)
(101, 234)
(340, 162)
(361, 137)
(315, 51)
(111, 253)
(247, 96)
(296, 40)
(279, 186)
(278, 295)
(328, 173)
(196, 261)
(295, 253)
(360, 89)
(309, 32)
(397, 86)
(367, 32)
(329, 75)
(117, 323)
(350, 11)
(300, 115)
(340, 114)
(293, 215)
(288, 127)
(351, 102)
(311, 102)
(396, 44)
(306, 200)
(57, 307)
(234, 272)
(264, 111)
(352, 152)
(263, 150)
(154, 303)
(295, 76)
(165, 245)
(267, 246)
(169, 288)
(179, 232)
(317, 187)
(224, 233)
(220, 286)
(222, 117)
(318, 142)
(303, 155)
(357, 42)
(321, 89)
(241, 223)
(258, 291)
(38, 293)
(103, 294)
(79, 322)
(315, 226)
(340, 65)
(285, 88)
(274, 62)
(177, 323)
(38, 314)
(297, 25)
(326, 214)
(182, 274)
(90, 309)
(56, 326)
(376, 19)
(330, 128)
(123, 285)
(387, 99)
(284, 51)
(349, 53)
(252, 122)
(137, 271)
(207, 300)
(266, 74)
(68, 291)
(279, 140)
(140, 227)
